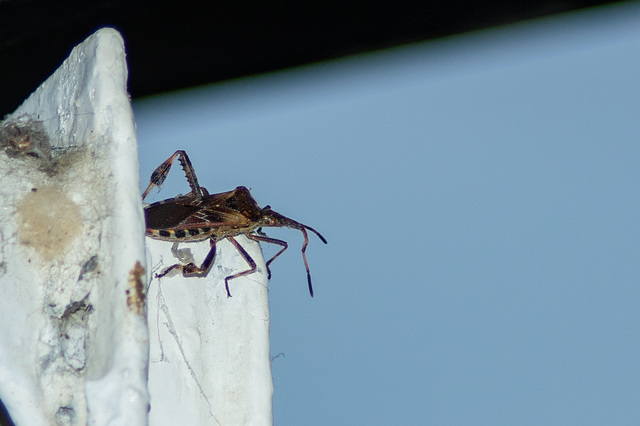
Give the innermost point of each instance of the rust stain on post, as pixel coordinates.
(136, 294)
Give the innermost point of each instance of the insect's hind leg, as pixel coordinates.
(160, 174)
(191, 269)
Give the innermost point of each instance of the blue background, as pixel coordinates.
(480, 195)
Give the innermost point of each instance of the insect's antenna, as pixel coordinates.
(303, 229)
(282, 220)
(315, 232)
(304, 257)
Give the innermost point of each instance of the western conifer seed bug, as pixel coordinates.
(199, 216)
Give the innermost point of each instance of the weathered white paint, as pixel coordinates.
(210, 361)
(72, 323)
(73, 272)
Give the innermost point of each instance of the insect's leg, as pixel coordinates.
(246, 257)
(262, 237)
(190, 173)
(191, 269)
(183, 255)
(160, 174)
(169, 269)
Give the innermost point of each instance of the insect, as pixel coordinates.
(199, 216)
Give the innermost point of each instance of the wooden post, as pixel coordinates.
(76, 347)
(72, 257)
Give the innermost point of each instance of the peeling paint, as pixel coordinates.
(73, 333)
(88, 267)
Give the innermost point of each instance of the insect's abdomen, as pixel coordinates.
(165, 220)
(192, 234)
(167, 214)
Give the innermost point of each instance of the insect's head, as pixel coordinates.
(269, 218)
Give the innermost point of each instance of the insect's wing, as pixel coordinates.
(166, 215)
(233, 209)
(239, 199)
(217, 217)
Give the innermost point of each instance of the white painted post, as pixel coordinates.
(74, 341)
(210, 361)
(73, 335)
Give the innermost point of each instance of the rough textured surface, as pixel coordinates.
(209, 352)
(48, 231)
(74, 350)
(74, 276)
